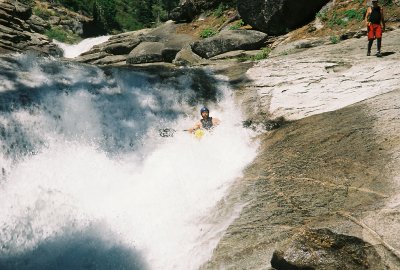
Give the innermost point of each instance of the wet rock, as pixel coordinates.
(264, 125)
(322, 249)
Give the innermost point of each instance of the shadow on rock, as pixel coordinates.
(387, 53)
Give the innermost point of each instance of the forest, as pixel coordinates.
(120, 15)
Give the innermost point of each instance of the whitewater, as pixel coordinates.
(86, 180)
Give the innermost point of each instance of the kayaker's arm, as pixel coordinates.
(196, 126)
(216, 121)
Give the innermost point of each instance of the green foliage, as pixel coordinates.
(158, 13)
(337, 20)
(144, 13)
(27, 2)
(334, 39)
(341, 19)
(382, 2)
(84, 6)
(259, 56)
(104, 13)
(208, 32)
(220, 10)
(126, 15)
(387, 2)
(61, 35)
(263, 54)
(169, 5)
(355, 14)
(323, 16)
(237, 25)
(45, 14)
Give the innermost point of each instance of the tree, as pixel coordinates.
(104, 15)
(169, 5)
(144, 12)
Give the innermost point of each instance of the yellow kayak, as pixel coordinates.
(199, 133)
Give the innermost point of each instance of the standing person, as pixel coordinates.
(206, 122)
(376, 25)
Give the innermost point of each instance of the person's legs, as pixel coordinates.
(379, 44)
(371, 37)
(378, 34)
(370, 41)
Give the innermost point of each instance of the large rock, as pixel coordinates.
(322, 249)
(229, 41)
(332, 158)
(146, 52)
(186, 57)
(123, 47)
(277, 17)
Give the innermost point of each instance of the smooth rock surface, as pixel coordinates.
(335, 165)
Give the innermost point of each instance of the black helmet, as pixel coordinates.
(204, 109)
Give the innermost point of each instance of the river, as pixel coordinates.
(87, 182)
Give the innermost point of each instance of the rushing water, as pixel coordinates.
(86, 181)
(74, 50)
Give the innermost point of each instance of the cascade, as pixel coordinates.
(87, 182)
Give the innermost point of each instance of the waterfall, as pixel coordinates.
(74, 50)
(86, 181)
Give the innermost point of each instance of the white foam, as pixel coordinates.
(72, 51)
(158, 204)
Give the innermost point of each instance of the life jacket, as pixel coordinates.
(207, 123)
(375, 17)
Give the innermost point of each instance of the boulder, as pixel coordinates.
(276, 17)
(322, 249)
(174, 44)
(229, 40)
(186, 57)
(120, 48)
(146, 52)
(143, 46)
(121, 44)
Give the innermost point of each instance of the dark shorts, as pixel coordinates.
(374, 31)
